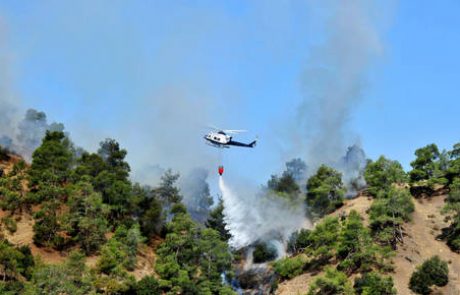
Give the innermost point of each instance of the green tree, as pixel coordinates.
(285, 184)
(191, 260)
(216, 221)
(355, 248)
(387, 216)
(148, 285)
(427, 166)
(87, 217)
(264, 252)
(289, 267)
(322, 241)
(71, 277)
(299, 241)
(452, 207)
(453, 169)
(433, 271)
(12, 192)
(373, 283)
(48, 226)
(325, 191)
(382, 174)
(10, 261)
(114, 157)
(333, 282)
(51, 161)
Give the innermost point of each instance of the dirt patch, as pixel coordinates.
(420, 244)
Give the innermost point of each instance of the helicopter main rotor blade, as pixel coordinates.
(234, 131)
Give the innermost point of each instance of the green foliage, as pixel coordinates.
(388, 214)
(299, 241)
(452, 233)
(216, 221)
(433, 271)
(325, 191)
(148, 285)
(48, 227)
(382, 174)
(289, 267)
(51, 160)
(355, 248)
(10, 224)
(167, 191)
(264, 252)
(453, 169)
(373, 283)
(191, 259)
(12, 194)
(114, 157)
(284, 185)
(87, 217)
(10, 261)
(322, 241)
(429, 167)
(70, 277)
(333, 282)
(119, 253)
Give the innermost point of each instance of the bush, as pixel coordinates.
(374, 284)
(289, 267)
(10, 224)
(333, 282)
(381, 174)
(148, 285)
(263, 253)
(325, 191)
(433, 271)
(299, 241)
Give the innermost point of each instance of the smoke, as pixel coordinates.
(29, 133)
(352, 167)
(196, 194)
(8, 99)
(259, 216)
(335, 79)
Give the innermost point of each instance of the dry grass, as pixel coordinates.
(419, 244)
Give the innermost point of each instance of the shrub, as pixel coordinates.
(10, 224)
(289, 267)
(333, 282)
(264, 252)
(299, 241)
(148, 285)
(374, 284)
(433, 271)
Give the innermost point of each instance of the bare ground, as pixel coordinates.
(419, 244)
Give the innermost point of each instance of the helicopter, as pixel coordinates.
(221, 139)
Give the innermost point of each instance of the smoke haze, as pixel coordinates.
(335, 79)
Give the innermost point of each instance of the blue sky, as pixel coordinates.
(151, 74)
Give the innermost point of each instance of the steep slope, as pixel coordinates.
(419, 244)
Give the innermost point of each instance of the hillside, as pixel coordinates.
(23, 236)
(419, 244)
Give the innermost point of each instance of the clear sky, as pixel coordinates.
(152, 74)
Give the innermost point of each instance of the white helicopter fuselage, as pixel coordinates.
(221, 139)
(218, 138)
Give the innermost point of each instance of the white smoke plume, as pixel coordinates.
(259, 216)
(29, 133)
(335, 79)
(196, 194)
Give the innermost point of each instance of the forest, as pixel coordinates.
(85, 206)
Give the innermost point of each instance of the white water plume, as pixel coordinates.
(262, 216)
